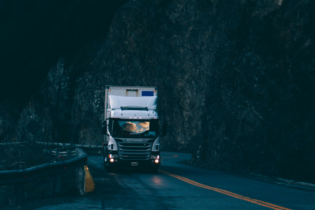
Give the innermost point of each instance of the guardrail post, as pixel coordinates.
(81, 180)
(19, 193)
(57, 183)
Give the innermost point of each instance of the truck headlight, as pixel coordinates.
(156, 145)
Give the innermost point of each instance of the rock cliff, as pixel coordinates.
(236, 82)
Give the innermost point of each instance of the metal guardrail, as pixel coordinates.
(62, 152)
(69, 144)
(19, 177)
(11, 143)
(55, 144)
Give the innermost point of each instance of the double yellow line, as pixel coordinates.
(234, 195)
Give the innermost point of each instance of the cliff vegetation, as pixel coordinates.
(236, 78)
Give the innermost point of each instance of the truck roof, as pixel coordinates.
(131, 91)
(129, 87)
(133, 103)
(130, 102)
(134, 114)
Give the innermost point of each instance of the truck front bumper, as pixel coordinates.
(113, 159)
(136, 163)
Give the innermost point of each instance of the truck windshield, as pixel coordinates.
(134, 128)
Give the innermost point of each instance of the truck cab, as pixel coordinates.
(131, 128)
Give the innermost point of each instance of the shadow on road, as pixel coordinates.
(129, 170)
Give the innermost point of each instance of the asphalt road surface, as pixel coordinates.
(178, 186)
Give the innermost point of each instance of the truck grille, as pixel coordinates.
(134, 151)
(134, 147)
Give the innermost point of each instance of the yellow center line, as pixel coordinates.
(225, 192)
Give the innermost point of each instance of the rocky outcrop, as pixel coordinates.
(9, 116)
(235, 79)
(236, 82)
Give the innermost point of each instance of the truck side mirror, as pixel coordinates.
(164, 129)
(104, 125)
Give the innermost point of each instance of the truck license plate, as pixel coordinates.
(134, 163)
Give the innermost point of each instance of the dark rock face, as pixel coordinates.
(34, 34)
(236, 82)
(9, 116)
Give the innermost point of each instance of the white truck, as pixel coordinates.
(131, 127)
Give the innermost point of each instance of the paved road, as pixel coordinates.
(182, 187)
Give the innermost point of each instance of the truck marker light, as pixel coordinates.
(111, 160)
(111, 156)
(156, 161)
(155, 157)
